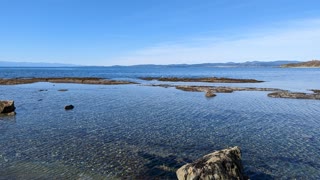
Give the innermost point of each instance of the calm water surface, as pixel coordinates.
(141, 132)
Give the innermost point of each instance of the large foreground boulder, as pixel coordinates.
(223, 165)
(7, 108)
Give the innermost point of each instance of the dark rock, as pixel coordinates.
(69, 107)
(210, 94)
(43, 90)
(7, 108)
(223, 165)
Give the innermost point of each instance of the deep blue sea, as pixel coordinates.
(143, 132)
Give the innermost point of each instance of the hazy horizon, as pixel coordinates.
(106, 33)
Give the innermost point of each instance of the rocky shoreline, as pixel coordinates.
(76, 80)
(206, 79)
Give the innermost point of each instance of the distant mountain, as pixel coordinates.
(229, 64)
(30, 64)
(311, 64)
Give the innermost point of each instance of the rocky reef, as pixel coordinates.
(276, 93)
(224, 165)
(77, 80)
(295, 95)
(223, 89)
(206, 79)
(211, 90)
(7, 108)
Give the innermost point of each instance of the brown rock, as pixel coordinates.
(223, 165)
(210, 94)
(7, 108)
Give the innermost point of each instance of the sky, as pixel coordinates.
(129, 32)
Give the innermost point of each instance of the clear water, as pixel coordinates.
(141, 132)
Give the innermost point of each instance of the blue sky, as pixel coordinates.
(126, 32)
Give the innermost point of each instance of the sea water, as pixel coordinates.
(143, 132)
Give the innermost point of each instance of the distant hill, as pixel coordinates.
(311, 64)
(229, 64)
(30, 64)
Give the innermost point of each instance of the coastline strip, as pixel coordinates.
(76, 80)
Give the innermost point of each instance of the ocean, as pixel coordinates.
(141, 132)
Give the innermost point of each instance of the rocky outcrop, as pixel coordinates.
(294, 95)
(76, 80)
(7, 108)
(206, 79)
(223, 165)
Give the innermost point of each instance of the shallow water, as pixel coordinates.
(142, 132)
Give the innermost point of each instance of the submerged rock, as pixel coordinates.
(223, 165)
(69, 107)
(7, 107)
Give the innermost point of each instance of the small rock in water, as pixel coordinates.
(210, 94)
(69, 107)
(43, 90)
(63, 90)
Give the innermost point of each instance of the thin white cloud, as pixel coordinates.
(292, 41)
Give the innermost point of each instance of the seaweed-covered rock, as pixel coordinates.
(7, 107)
(223, 165)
